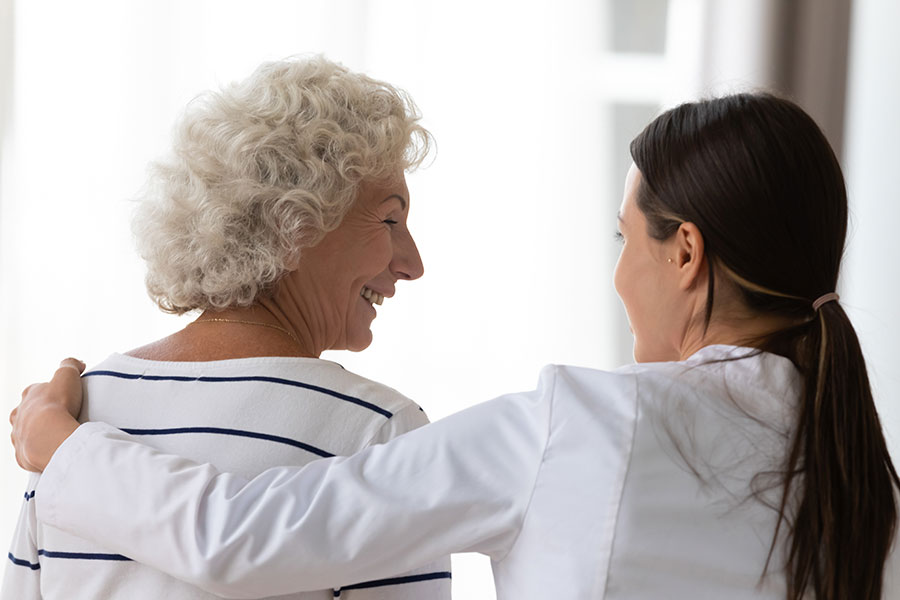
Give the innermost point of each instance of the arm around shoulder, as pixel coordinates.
(461, 484)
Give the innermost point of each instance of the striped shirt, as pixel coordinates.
(242, 415)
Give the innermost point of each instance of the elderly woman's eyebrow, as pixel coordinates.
(398, 197)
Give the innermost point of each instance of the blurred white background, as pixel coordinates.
(532, 103)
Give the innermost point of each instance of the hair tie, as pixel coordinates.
(823, 299)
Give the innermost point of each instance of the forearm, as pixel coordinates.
(459, 486)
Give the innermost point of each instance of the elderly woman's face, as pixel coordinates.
(356, 266)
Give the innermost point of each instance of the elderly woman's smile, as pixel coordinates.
(372, 296)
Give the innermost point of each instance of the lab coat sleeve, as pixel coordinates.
(430, 581)
(462, 484)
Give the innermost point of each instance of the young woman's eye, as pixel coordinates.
(619, 237)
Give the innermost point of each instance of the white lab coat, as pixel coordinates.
(632, 484)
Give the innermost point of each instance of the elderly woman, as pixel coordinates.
(742, 457)
(281, 219)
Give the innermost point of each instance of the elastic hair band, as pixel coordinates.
(823, 299)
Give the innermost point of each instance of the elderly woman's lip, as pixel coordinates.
(385, 293)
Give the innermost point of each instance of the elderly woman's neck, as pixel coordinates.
(232, 333)
(268, 325)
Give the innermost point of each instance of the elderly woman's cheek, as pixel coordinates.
(382, 252)
(407, 262)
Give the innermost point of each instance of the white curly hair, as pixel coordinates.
(263, 169)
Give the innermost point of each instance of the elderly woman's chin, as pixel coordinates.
(359, 335)
(359, 327)
(360, 341)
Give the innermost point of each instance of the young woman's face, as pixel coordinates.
(356, 266)
(644, 281)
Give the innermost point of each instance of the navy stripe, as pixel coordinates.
(29, 495)
(83, 555)
(23, 563)
(307, 386)
(394, 581)
(236, 432)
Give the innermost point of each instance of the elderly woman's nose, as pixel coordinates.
(407, 264)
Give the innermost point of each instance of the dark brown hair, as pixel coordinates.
(757, 177)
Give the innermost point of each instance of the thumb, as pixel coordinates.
(65, 386)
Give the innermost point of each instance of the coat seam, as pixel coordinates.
(537, 472)
(618, 506)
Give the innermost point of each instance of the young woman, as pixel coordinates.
(741, 457)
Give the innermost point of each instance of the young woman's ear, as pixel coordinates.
(690, 255)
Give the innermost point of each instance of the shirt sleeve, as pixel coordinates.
(462, 484)
(403, 421)
(22, 580)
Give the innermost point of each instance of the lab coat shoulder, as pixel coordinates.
(567, 535)
(601, 390)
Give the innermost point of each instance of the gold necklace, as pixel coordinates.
(269, 325)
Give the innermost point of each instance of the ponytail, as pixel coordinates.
(843, 525)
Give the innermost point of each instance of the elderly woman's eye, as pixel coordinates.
(390, 221)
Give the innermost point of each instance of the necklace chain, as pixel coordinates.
(242, 322)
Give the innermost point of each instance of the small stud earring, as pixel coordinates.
(670, 260)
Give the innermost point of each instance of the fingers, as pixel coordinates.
(65, 386)
(68, 374)
(72, 363)
(65, 365)
(20, 460)
(39, 425)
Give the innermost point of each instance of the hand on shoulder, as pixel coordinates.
(46, 416)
